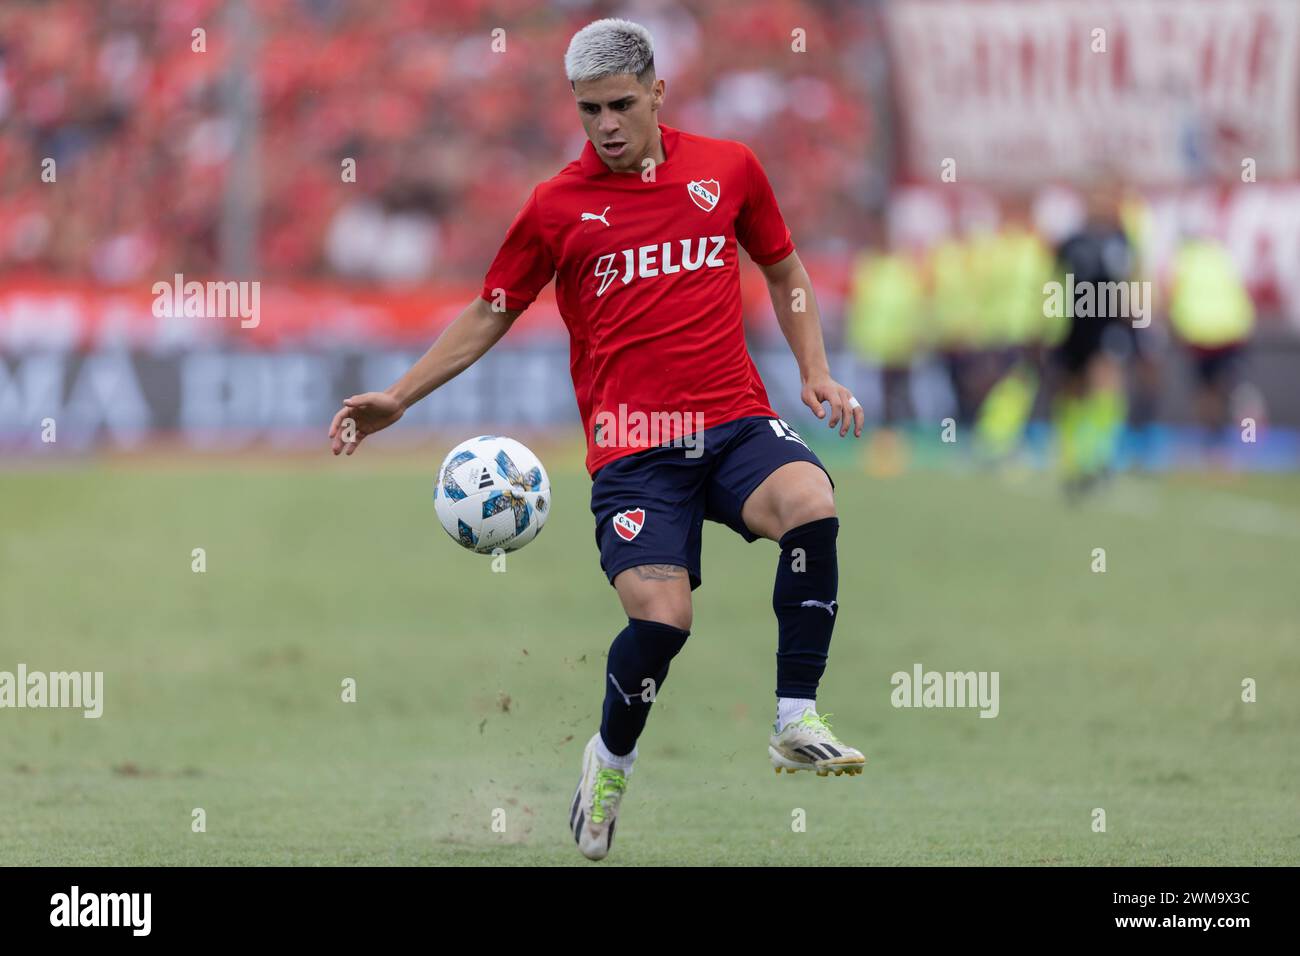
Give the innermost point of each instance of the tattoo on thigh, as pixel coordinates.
(658, 572)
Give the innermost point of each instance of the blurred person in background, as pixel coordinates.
(1016, 266)
(986, 353)
(885, 328)
(1212, 314)
(1091, 405)
(1148, 343)
(952, 303)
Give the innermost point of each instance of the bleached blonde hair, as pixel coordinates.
(610, 47)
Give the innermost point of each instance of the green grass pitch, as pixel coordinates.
(477, 690)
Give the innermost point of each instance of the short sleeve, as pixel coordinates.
(523, 265)
(760, 227)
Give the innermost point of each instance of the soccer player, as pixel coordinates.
(642, 234)
(1091, 408)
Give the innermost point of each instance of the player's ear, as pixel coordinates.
(657, 94)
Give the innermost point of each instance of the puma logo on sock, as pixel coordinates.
(829, 608)
(626, 699)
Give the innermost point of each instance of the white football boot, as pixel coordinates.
(595, 804)
(808, 744)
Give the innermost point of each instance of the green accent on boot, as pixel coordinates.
(609, 783)
(819, 722)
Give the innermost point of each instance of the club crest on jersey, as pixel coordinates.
(628, 524)
(704, 192)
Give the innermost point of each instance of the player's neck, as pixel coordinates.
(656, 148)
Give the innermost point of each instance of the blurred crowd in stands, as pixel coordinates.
(140, 116)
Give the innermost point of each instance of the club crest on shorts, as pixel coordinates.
(628, 524)
(704, 193)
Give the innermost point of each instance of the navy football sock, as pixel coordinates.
(641, 651)
(804, 598)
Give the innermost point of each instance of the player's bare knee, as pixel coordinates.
(674, 616)
(672, 610)
(813, 502)
(659, 593)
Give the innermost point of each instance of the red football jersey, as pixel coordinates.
(649, 287)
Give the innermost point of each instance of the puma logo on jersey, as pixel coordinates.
(592, 217)
(828, 608)
(657, 259)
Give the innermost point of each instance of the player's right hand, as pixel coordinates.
(362, 415)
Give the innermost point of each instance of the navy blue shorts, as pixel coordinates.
(650, 506)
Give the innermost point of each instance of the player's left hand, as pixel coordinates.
(843, 406)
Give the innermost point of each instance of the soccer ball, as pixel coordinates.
(492, 493)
